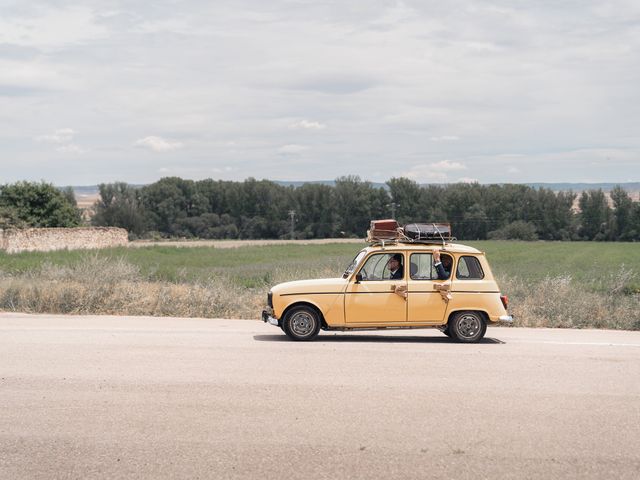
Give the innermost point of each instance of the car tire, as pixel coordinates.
(446, 330)
(467, 327)
(301, 323)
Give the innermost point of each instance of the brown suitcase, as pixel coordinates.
(384, 229)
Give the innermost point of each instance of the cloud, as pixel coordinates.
(63, 138)
(425, 174)
(60, 136)
(47, 27)
(467, 180)
(435, 172)
(336, 84)
(307, 125)
(70, 148)
(445, 138)
(292, 149)
(448, 166)
(158, 144)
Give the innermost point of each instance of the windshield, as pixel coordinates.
(352, 266)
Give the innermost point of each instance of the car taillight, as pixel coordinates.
(505, 301)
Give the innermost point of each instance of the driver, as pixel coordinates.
(395, 266)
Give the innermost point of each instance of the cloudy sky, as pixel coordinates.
(493, 91)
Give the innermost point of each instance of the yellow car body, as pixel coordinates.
(367, 298)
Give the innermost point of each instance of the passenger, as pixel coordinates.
(443, 265)
(395, 267)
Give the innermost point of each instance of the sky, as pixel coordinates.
(487, 91)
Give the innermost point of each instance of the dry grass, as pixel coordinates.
(103, 286)
(560, 302)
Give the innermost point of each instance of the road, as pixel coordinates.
(116, 397)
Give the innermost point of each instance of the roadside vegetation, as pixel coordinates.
(550, 284)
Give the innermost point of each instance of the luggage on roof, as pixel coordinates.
(387, 229)
(428, 231)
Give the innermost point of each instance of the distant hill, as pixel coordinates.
(579, 187)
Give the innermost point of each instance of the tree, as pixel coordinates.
(166, 202)
(30, 204)
(357, 203)
(315, 211)
(623, 214)
(119, 206)
(405, 194)
(595, 215)
(474, 224)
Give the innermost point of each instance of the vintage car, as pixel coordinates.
(366, 297)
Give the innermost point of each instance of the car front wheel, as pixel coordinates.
(467, 327)
(301, 323)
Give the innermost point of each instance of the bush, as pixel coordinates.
(517, 230)
(26, 204)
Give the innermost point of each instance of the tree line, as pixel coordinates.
(216, 209)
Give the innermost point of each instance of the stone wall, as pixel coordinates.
(47, 239)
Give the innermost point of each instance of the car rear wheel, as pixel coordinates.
(301, 323)
(467, 327)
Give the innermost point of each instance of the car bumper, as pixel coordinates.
(505, 319)
(267, 317)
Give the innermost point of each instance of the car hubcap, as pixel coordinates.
(469, 326)
(302, 324)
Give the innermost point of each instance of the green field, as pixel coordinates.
(585, 262)
(577, 284)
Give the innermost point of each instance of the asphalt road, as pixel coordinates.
(115, 397)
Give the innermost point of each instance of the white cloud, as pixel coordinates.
(435, 172)
(445, 138)
(308, 125)
(60, 136)
(158, 144)
(51, 27)
(63, 138)
(448, 166)
(425, 174)
(292, 149)
(71, 148)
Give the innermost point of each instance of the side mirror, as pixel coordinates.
(358, 277)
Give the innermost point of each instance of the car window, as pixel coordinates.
(469, 268)
(421, 267)
(376, 267)
(354, 263)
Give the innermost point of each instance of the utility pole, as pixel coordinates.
(393, 206)
(292, 214)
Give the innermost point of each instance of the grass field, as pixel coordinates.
(579, 284)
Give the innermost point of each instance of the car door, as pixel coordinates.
(376, 298)
(424, 302)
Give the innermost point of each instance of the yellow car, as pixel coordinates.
(401, 285)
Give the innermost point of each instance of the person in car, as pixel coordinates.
(395, 267)
(442, 264)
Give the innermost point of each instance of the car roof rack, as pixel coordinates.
(384, 232)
